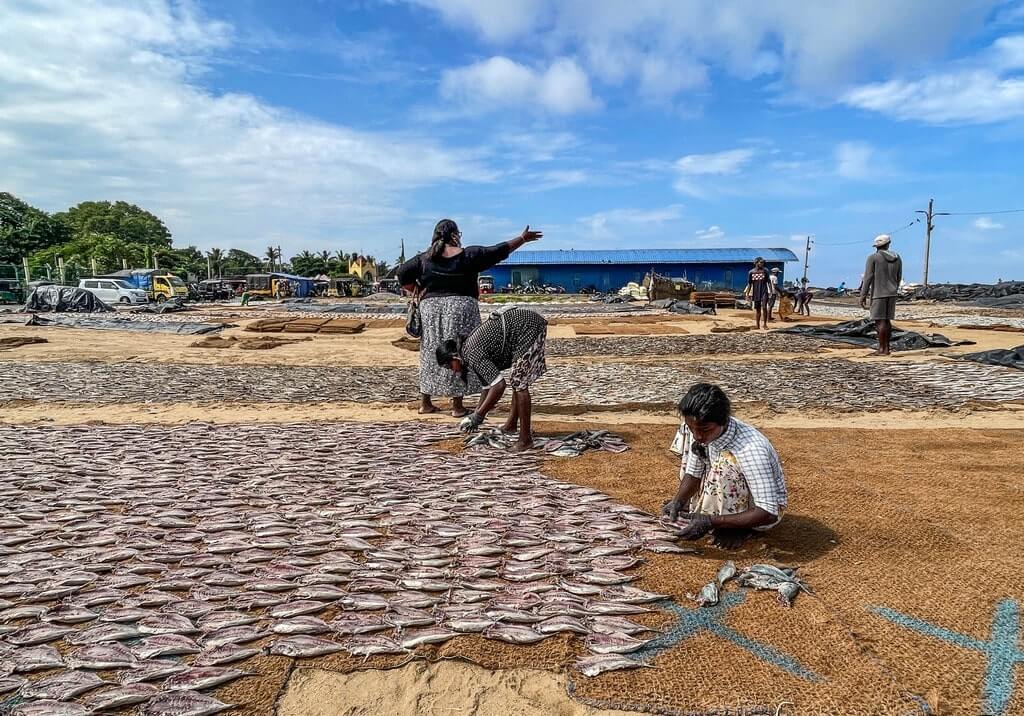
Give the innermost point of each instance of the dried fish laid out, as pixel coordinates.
(704, 344)
(162, 559)
(709, 593)
(572, 445)
(759, 576)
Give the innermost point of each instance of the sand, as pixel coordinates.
(445, 688)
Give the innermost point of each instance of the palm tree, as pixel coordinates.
(216, 258)
(323, 262)
(304, 264)
(271, 255)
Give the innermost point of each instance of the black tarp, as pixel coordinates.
(1009, 357)
(173, 305)
(396, 308)
(684, 307)
(64, 299)
(862, 333)
(115, 324)
(1006, 293)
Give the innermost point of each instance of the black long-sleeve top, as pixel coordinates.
(453, 276)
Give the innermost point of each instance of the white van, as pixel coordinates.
(111, 290)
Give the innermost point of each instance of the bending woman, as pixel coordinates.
(511, 340)
(447, 276)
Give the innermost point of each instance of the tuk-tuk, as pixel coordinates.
(221, 289)
(486, 284)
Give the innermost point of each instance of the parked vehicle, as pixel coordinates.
(486, 284)
(220, 289)
(158, 286)
(112, 291)
(659, 287)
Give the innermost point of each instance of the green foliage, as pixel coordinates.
(240, 263)
(78, 254)
(25, 229)
(122, 220)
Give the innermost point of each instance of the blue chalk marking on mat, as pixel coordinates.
(693, 621)
(1002, 648)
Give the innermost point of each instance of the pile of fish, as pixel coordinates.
(572, 445)
(712, 343)
(163, 558)
(783, 580)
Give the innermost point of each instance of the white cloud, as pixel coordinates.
(627, 221)
(712, 233)
(498, 82)
(101, 101)
(986, 88)
(728, 162)
(814, 46)
(983, 223)
(854, 160)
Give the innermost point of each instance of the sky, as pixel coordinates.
(607, 124)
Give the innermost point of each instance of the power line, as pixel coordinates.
(979, 213)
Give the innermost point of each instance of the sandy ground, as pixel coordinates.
(445, 688)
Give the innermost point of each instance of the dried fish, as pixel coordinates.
(203, 677)
(600, 663)
(183, 703)
(63, 686)
(117, 697)
(303, 647)
(613, 643)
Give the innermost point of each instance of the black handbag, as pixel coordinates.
(413, 322)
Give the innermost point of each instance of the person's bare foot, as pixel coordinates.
(427, 409)
(520, 446)
(460, 413)
(510, 428)
(729, 538)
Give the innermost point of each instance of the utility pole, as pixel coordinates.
(280, 258)
(28, 274)
(209, 268)
(928, 226)
(807, 254)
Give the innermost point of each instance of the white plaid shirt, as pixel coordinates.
(757, 459)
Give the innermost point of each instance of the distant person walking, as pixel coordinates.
(882, 275)
(446, 277)
(759, 289)
(773, 277)
(803, 298)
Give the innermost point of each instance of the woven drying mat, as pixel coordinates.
(18, 341)
(1002, 327)
(914, 558)
(626, 329)
(268, 325)
(341, 325)
(307, 325)
(407, 343)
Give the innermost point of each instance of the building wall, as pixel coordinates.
(612, 277)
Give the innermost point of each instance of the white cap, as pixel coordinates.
(775, 270)
(882, 240)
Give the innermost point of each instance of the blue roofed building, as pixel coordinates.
(709, 269)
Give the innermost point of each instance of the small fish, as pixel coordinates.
(203, 677)
(104, 632)
(514, 634)
(63, 686)
(556, 625)
(50, 707)
(473, 623)
(788, 592)
(615, 608)
(70, 614)
(101, 656)
(302, 625)
(726, 572)
(222, 619)
(346, 624)
(303, 647)
(294, 609)
(224, 654)
(152, 670)
(600, 663)
(117, 697)
(373, 646)
(412, 638)
(23, 612)
(166, 623)
(613, 643)
(37, 634)
(708, 595)
(124, 615)
(183, 703)
(165, 645)
(405, 617)
(631, 595)
(234, 635)
(11, 683)
(36, 658)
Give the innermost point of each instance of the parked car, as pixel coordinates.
(112, 290)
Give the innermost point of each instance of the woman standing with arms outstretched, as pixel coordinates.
(447, 278)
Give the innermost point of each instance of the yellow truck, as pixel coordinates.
(159, 286)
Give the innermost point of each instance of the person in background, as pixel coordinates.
(446, 278)
(730, 477)
(511, 340)
(773, 296)
(882, 275)
(842, 289)
(803, 298)
(758, 289)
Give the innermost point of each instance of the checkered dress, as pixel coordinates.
(756, 459)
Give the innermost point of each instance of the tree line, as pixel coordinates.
(110, 235)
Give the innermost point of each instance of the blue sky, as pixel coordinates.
(650, 123)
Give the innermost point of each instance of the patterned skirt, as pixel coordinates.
(444, 318)
(530, 366)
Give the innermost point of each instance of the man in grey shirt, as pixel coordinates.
(881, 285)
